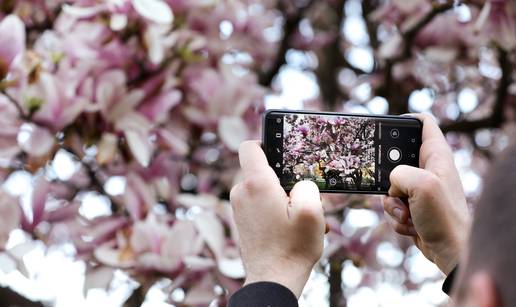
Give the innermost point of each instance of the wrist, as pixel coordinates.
(293, 279)
(449, 256)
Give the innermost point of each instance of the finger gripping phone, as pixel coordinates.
(341, 153)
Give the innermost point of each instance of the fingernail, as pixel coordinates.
(398, 214)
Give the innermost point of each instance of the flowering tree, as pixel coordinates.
(141, 105)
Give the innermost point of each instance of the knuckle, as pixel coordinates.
(254, 184)
(396, 172)
(429, 184)
(308, 210)
(235, 196)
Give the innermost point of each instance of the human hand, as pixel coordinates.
(281, 237)
(437, 215)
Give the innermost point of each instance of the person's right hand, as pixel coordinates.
(437, 215)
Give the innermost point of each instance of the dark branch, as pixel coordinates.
(9, 297)
(369, 6)
(337, 298)
(330, 61)
(21, 114)
(289, 28)
(411, 33)
(389, 90)
(497, 118)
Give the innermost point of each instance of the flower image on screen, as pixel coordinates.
(333, 151)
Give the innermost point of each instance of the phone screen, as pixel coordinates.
(340, 152)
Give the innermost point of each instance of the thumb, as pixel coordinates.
(406, 180)
(305, 208)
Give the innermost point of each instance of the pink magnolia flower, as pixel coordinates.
(497, 21)
(38, 142)
(12, 42)
(32, 217)
(53, 99)
(8, 134)
(217, 93)
(10, 213)
(139, 197)
(162, 248)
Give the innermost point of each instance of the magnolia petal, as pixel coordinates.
(157, 109)
(153, 37)
(392, 47)
(39, 199)
(12, 39)
(232, 268)
(11, 215)
(107, 148)
(197, 200)
(144, 192)
(99, 277)
(176, 144)
(39, 142)
(212, 231)
(7, 264)
(179, 240)
(133, 204)
(140, 147)
(126, 106)
(155, 10)
(83, 12)
(148, 235)
(24, 248)
(233, 131)
(196, 263)
(159, 263)
(109, 85)
(201, 293)
(63, 213)
(136, 129)
(112, 257)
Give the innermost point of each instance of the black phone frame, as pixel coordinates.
(309, 112)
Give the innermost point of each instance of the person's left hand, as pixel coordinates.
(281, 237)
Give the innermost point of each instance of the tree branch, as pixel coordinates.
(335, 279)
(369, 6)
(21, 114)
(410, 34)
(289, 28)
(497, 118)
(330, 60)
(389, 90)
(11, 298)
(136, 298)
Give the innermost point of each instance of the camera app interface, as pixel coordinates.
(334, 152)
(340, 153)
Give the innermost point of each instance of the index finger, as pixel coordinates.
(253, 160)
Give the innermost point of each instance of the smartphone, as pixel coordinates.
(341, 153)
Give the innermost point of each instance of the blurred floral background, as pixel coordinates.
(120, 121)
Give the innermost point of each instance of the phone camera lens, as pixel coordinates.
(395, 133)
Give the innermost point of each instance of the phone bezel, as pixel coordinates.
(398, 117)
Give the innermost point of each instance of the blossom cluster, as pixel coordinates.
(150, 97)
